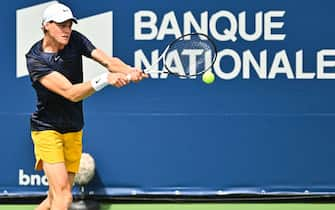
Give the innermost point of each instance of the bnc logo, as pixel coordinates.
(97, 28)
(32, 179)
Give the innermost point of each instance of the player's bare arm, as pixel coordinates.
(114, 64)
(59, 84)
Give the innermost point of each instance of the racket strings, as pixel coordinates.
(191, 55)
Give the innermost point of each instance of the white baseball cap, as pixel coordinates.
(57, 12)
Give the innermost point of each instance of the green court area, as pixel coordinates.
(197, 206)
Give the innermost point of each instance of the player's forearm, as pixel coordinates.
(78, 92)
(113, 64)
(117, 65)
(59, 84)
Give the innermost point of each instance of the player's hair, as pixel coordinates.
(43, 29)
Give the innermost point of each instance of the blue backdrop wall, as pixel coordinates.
(269, 132)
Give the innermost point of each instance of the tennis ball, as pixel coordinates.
(208, 77)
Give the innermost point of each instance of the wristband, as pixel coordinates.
(100, 81)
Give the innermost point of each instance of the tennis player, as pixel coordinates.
(55, 68)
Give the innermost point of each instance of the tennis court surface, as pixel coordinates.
(207, 206)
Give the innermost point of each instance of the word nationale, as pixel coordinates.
(228, 28)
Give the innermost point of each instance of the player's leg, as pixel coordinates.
(72, 153)
(71, 177)
(48, 148)
(46, 203)
(59, 185)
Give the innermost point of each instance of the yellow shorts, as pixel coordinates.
(53, 147)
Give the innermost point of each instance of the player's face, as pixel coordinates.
(61, 32)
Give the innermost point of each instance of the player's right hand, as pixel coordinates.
(136, 74)
(117, 79)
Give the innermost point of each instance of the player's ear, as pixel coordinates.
(45, 27)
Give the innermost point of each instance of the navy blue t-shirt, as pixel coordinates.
(54, 112)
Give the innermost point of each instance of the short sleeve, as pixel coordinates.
(37, 68)
(86, 45)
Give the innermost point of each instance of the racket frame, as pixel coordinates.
(163, 56)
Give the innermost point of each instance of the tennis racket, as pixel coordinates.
(187, 56)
